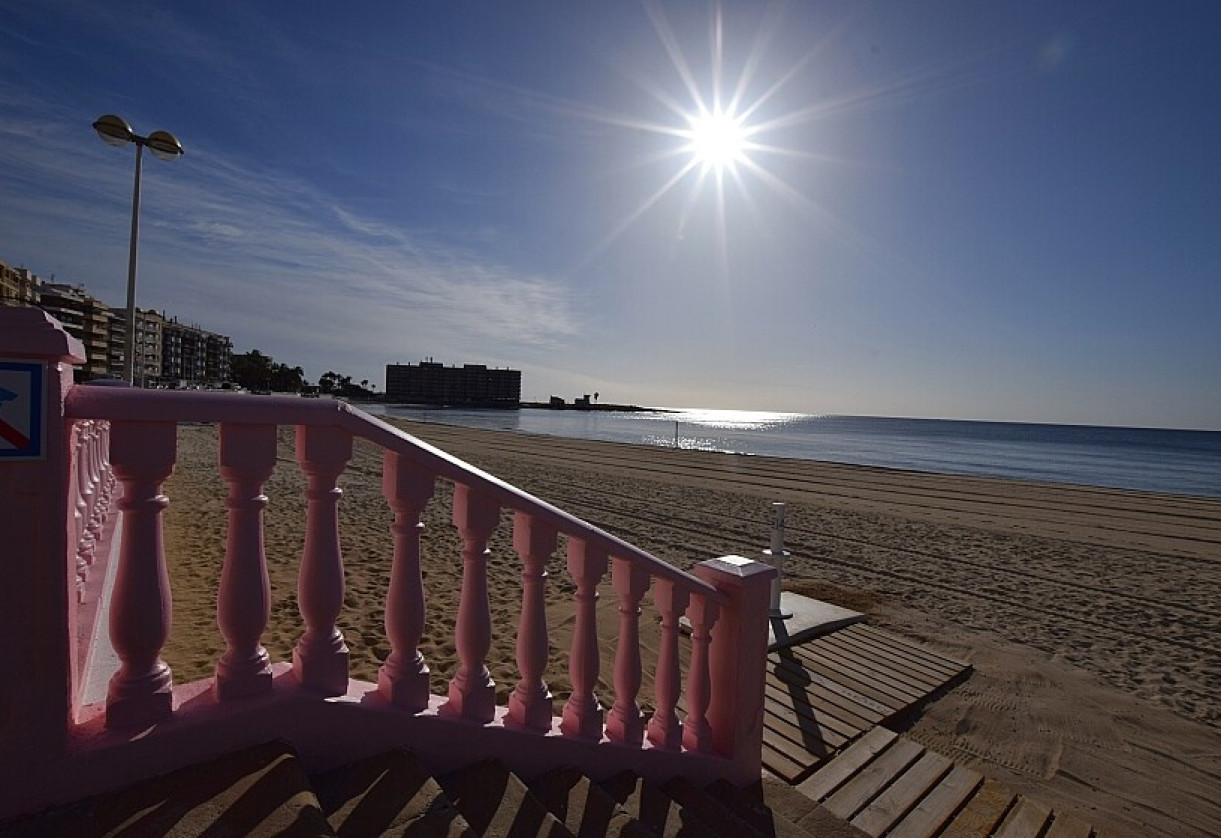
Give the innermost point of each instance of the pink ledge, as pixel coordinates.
(328, 732)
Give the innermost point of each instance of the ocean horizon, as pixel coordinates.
(1163, 460)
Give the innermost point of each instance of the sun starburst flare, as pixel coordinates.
(718, 140)
(718, 129)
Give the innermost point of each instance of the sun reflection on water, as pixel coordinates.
(740, 420)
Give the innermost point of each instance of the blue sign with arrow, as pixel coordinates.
(22, 426)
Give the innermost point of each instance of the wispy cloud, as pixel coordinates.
(266, 256)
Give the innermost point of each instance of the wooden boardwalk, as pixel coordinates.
(885, 784)
(825, 693)
(826, 703)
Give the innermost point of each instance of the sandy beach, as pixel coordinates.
(1092, 616)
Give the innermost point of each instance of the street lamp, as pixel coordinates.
(115, 131)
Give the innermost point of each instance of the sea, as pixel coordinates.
(1186, 462)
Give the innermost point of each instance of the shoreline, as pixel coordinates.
(1090, 615)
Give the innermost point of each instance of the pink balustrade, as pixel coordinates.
(117, 444)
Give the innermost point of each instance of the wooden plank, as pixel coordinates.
(837, 674)
(845, 704)
(782, 739)
(819, 744)
(939, 805)
(925, 659)
(858, 669)
(881, 674)
(896, 668)
(928, 657)
(831, 680)
(855, 794)
(857, 672)
(923, 652)
(934, 661)
(1025, 820)
(900, 669)
(816, 698)
(832, 775)
(982, 812)
(815, 724)
(1068, 826)
(892, 656)
(817, 704)
(781, 764)
(891, 805)
(819, 726)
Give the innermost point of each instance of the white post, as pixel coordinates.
(775, 557)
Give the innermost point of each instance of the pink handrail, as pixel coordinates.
(131, 404)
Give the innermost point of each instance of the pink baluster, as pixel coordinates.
(320, 659)
(665, 730)
(530, 702)
(697, 734)
(78, 512)
(625, 723)
(107, 471)
(247, 457)
(85, 496)
(141, 692)
(403, 678)
(93, 463)
(582, 712)
(472, 692)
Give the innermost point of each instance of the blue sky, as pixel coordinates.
(972, 210)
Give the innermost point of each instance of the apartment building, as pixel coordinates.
(18, 287)
(167, 353)
(149, 343)
(191, 355)
(471, 385)
(118, 342)
(86, 318)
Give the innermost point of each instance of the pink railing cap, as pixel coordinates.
(32, 333)
(136, 405)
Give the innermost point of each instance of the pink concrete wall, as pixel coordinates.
(38, 663)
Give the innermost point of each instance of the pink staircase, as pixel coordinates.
(107, 451)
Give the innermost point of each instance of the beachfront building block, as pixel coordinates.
(74, 724)
(470, 385)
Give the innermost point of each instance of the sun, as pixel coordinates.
(718, 140)
(718, 127)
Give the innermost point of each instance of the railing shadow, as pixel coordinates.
(807, 722)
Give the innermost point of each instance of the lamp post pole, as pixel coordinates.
(129, 340)
(115, 131)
